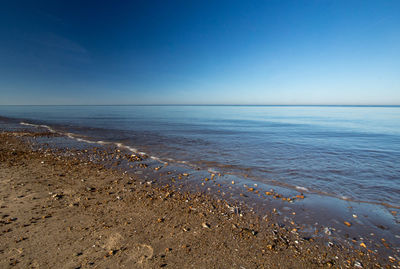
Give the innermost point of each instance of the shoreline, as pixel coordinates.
(211, 218)
(339, 221)
(35, 125)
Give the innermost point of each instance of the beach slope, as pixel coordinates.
(59, 212)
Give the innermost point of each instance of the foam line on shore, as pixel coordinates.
(39, 126)
(99, 142)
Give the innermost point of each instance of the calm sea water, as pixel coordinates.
(348, 152)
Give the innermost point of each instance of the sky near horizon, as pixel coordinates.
(200, 52)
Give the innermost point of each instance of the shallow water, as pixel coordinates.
(347, 152)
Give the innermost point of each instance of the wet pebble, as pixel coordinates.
(358, 264)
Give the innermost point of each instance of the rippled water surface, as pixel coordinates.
(347, 152)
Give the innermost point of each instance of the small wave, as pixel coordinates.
(100, 142)
(300, 188)
(74, 136)
(123, 146)
(39, 126)
(158, 159)
(211, 170)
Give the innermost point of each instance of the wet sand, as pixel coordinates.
(59, 211)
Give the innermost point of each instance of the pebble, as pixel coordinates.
(205, 225)
(327, 231)
(57, 196)
(358, 264)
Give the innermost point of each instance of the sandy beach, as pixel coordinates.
(60, 212)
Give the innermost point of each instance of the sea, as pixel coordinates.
(347, 152)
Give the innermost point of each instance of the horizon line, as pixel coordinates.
(332, 105)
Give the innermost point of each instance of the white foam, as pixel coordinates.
(27, 124)
(131, 149)
(39, 125)
(301, 188)
(100, 142)
(212, 170)
(120, 145)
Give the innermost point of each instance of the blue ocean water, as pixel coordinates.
(348, 152)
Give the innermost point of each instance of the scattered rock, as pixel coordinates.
(358, 264)
(205, 225)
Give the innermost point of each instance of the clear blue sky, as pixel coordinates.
(200, 52)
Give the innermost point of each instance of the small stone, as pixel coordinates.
(358, 264)
(90, 189)
(348, 224)
(205, 225)
(327, 231)
(57, 196)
